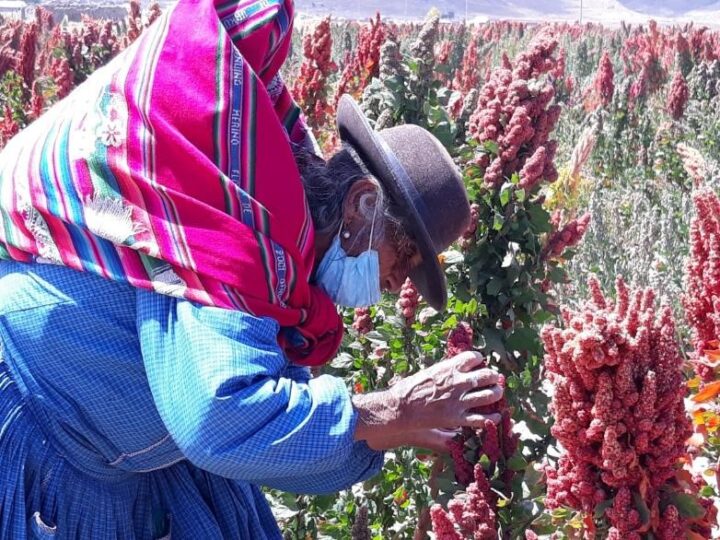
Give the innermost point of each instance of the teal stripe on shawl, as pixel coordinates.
(89, 248)
(58, 190)
(46, 173)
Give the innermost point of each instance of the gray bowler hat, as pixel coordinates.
(421, 178)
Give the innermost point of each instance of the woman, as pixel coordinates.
(169, 275)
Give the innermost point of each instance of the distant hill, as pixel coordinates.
(608, 11)
(74, 9)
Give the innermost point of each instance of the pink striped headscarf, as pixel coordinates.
(171, 169)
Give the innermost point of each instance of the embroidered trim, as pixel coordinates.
(38, 227)
(111, 219)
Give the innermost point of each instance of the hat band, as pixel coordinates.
(409, 190)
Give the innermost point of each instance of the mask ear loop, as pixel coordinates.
(372, 225)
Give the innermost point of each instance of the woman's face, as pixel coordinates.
(397, 258)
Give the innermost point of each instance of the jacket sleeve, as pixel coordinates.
(224, 390)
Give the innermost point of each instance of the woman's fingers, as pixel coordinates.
(479, 378)
(478, 420)
(467, 361)
(434, 439)
(484, 396)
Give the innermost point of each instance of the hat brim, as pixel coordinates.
(381, 161)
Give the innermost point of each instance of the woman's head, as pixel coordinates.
(345, 199)
(399, 186)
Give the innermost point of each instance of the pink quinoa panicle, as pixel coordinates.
(362, 322)
(618, 391)
(702, 281)
(514, 114)
(678, 96)
(408, 301)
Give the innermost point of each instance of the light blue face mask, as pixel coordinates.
(350, 281)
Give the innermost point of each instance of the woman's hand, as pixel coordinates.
(441, 396)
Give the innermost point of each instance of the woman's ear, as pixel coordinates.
(353, 200)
